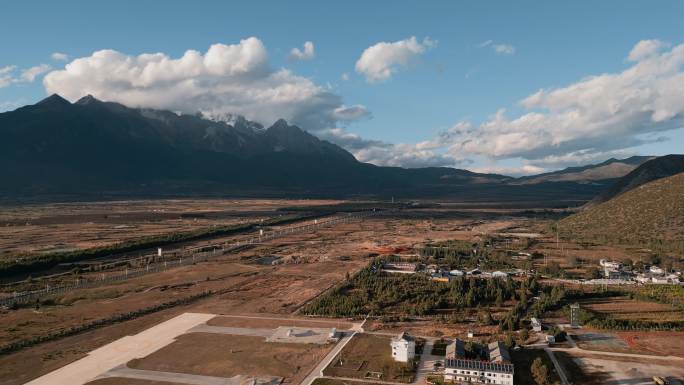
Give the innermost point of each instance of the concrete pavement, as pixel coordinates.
(189, 379)
(318, 370)
(122, 350)
(204, 328)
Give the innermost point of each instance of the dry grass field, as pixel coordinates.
(128, 381)
(275, 278)
(71, 226)
(366, 354)
(253, 322)
(227, 356)
(626, 308)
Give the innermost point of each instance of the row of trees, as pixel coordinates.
(26, 263)
(14, 346)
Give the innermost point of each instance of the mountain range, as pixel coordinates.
(650, 214)
(648, 171)
(93, 148)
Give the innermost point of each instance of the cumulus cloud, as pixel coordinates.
(227, 79)
(11, 104)
(382, 60)
(6, 76)
(59, 56)
(29, 75)
(596, 116)
(307, 53)
(525, 169)
(499, 48)
(504, 49)
(388, 154)
(645, 48)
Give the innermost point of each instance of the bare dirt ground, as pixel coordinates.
(625, 308)
(274, 278)
(128, 381)
(69, 226)
(627, 371)
(226, 356)
(367, 353)
(270, 323)
(657, 343)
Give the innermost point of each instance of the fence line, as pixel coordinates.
(184, 257)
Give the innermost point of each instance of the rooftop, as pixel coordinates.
(498, 367)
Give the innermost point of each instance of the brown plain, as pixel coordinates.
(227, 356)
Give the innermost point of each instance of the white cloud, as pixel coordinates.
(388, 154)
(499, 48)
(596, 116)
(307, 53)
(645, 48)
(233, 79)
(59, 56)
(12, 104)
(504, 49)
(382, 60)
(29, 75)
(525, 169)
(344, 113)
(345, 76)
(6, 77)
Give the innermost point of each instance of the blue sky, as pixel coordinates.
(453, 73)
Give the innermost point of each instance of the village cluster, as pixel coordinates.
(440, 274)
(618, 272)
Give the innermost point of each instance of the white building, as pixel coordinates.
(610, 273)
(660, 280)
(403, 347)
(641, 278)
(498, 370)
(613, 265)
(536, 324)
(656, 270)
(499, 274)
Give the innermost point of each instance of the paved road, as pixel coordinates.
(318, 370)
(365, 380)
(204, 328)
(122, 350)
(427, 363)
(556, 364)
(189, 379)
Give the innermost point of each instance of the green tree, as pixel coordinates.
(540, 372)
(509, 341)
(524, 335)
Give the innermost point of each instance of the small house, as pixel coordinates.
(536, 324)
(403, 347)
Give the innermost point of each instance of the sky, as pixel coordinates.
(507, 87)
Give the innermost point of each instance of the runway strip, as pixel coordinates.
(122, 350)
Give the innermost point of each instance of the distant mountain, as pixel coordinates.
(609, 170)
(56, 147)
(649, 214)
(653, 169)
(94, 149)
